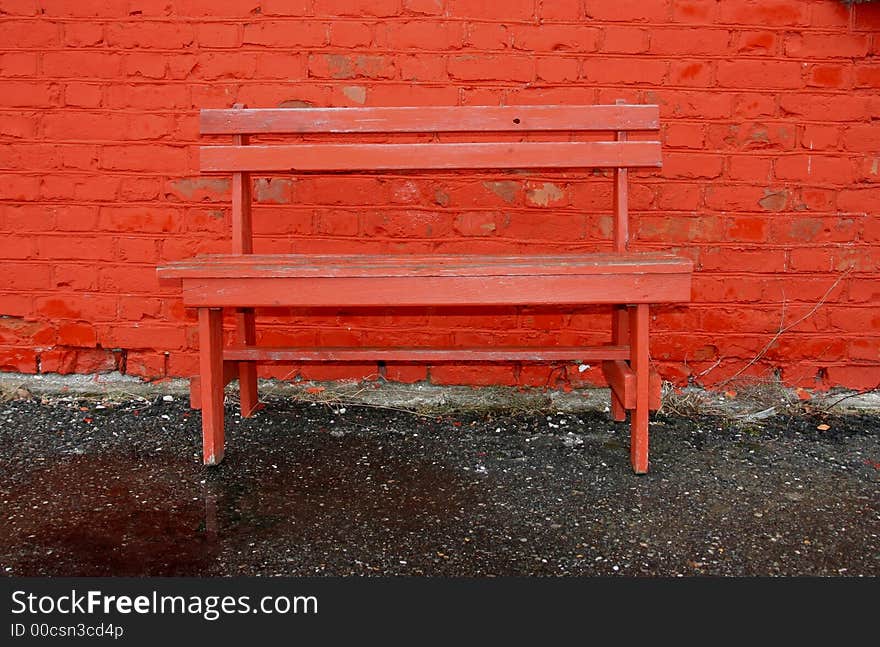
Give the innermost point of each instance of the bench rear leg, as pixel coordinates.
(640, 366)
(619, 336)
(247, 371)
(211, 382)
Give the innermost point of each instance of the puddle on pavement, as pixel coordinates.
(118, 514)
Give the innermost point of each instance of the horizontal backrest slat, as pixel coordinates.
(367, 157)
(429, 119)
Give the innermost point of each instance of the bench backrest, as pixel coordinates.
(242, 158)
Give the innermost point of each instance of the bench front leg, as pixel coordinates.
(619, 337)
(246, 333)
(212, 383)
(640, 366)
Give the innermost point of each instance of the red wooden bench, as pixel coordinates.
(244, 280)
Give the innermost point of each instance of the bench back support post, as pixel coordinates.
(621, 191)
(242, 228)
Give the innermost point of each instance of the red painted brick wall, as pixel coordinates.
(771, 136)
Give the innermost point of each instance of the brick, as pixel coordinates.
(556, 38)
(286, 66)
(21, 187)
(828, 76)
(84, 34)
(421, 35)
(557, 69)
(691, 73)
(18, 64)
(568, 10)
(79, 125)
(286, 34)
(148, 365)
(815, 168)
(72, 217)
(378, 8)
(65, 361)
(515, 10)
(83, 95)
(621, 70)
(295, 8)
(687, 42)
(820, 137)
(859, 200)
(689, 104)
(75, 248)
(148, 157)
(748, 168)
(423, 7)
(750, 42)
(26, 276)
(867, 76)
(344, 66)
(684, 135)
(148, 96)
(863, 138)
(842, 107)
(624, 40)
(27, 94)
(865, 349)
(759, 74)
(351, 34)
(753, 105)
(18, 360)
(694, 11)
(678, 196)
(219, 35)
(810, 45)
(18, 7)
(422, 68)
(747, 229)
(76, 334)
(18, 125)
(488, 36)
(30, 34)
(628, 10)
(482, 67)
(767, 13)
(80, 64)
(223, 65)
(742, 260)
(149, 66)
(690, 166)
(860, 378)
(753, 136)
(75, 277)
(478, 375)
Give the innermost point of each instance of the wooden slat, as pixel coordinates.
(438, 291)
(406, 266)
(622, 381)
(349, 157)
(430, 119)
(425, 355)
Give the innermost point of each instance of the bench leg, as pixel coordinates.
(640, 366)
(619, 336)
(211, 369)
(247, 371)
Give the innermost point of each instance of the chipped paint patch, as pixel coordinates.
(504, 189)
(774, 200)
(548, 193)
(355, 93)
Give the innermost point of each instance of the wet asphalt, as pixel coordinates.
(91, 487)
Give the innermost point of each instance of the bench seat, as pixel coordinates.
(428, 280)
